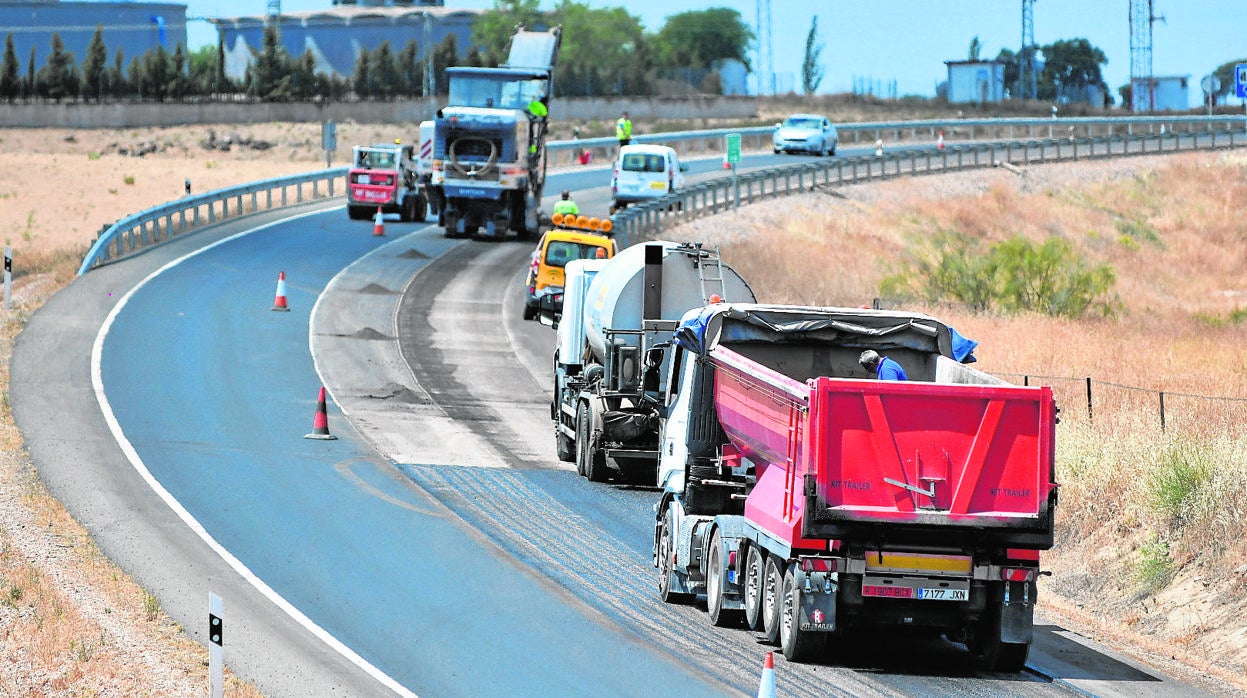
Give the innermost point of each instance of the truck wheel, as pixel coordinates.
(754, 570)
(563, 446)
(357, 213)
(772, 589)
(716, 574)
(420, 210)
(665, 572)
(587, 450)
(992, 654)
(798, 645)
(581, 439)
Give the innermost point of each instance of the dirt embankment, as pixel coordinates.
(73, 624)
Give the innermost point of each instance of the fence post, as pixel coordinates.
(1162, 410)
(1089, 413)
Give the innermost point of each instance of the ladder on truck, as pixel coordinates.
(710, 274)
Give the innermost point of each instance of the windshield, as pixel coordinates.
(560, 252)
(643, 162)
(803, 122)
(495, 92)
(375, 158)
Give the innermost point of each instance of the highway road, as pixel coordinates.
(437, 547)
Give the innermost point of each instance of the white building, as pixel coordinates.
(977, 82)
(1167, 93)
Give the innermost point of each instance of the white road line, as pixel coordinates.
(190, 521)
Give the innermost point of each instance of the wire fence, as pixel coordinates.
(1099, 401)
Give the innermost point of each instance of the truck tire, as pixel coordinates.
(564, 447)
(405, 209)
(772, 590)
(716, 575)
(357, 213)
(798, 645)
(591, 458)
(421, 209)
(665, 571)
(580, 439)
(755, 568)
(984, 643)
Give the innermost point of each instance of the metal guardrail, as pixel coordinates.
(759, 137)
(162, 223)
(647, 221)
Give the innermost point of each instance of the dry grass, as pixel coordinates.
(73, 624)
(1152, 523)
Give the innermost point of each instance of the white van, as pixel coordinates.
(645, 172)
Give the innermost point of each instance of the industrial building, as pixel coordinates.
(1160, 93)
(133, 27)
(337, 36)
(975, 82)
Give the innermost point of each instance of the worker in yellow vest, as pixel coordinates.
(566, 206)
(623, 130)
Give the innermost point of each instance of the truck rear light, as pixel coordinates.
(818, 564)
(731, 559)
(1022, 554)
(1017, 574)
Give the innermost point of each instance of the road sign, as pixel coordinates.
(733, 148)
(1240, 80)
(1210, 84)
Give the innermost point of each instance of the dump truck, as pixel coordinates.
(389, 177)
(604, 405)
(809, 500)
(489, 161)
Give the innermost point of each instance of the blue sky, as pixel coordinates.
(907, 41)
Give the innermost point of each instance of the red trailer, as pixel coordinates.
(813, 499)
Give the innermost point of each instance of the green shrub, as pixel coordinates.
(1155, 568)
(1176, 482)
(1015, 275)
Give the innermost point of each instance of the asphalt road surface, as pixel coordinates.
(436, 547)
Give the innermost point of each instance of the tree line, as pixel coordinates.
(604, 52)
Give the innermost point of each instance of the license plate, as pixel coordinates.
(657, 185)
(944, 594)
(888, 592)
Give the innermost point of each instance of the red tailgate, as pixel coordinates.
(941, 454)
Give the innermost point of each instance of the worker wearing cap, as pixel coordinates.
(885, 369)
(566, 206)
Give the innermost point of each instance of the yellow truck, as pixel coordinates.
(573, 237)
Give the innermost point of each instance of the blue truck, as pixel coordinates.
(489, 159)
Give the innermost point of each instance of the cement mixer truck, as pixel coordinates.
(612, 314)
(809, 500)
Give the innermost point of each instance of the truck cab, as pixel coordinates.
(558, 247)
(385, 177)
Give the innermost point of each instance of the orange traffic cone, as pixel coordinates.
(378, 224)
(766, 687)
(939, 143)
(280, 302)
(320, 425)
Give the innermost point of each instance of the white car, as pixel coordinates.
(805, 133)
(645, 172)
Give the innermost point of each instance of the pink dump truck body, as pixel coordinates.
(814, 500)
(866, 454)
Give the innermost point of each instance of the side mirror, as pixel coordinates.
(684, 167)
